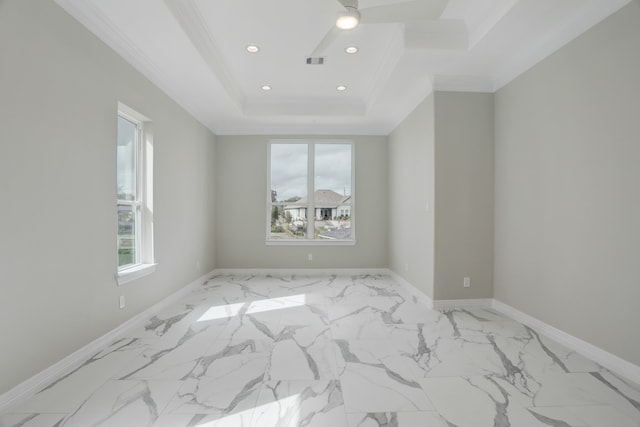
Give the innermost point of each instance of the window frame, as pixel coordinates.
(143, 204)
(311, 153)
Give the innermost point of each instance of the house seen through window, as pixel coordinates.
(311, 192)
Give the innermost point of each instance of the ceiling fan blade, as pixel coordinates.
(329, 38)
(412, 11)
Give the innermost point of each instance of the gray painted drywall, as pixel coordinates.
(59, 89)
(241, 185)
(464, 195)
(567, 199)
(411, 198)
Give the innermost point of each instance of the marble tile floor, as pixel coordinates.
(329, 351)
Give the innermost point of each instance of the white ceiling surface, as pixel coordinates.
(194, 50)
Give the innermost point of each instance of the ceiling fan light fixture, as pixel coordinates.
(349, 20)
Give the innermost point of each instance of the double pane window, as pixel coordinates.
(129, 193)
(310, 191)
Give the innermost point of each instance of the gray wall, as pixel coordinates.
(411, 192)
(464, 195)
(567, 198)
(241, 185)
(59, 89)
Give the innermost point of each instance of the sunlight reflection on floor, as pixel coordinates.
(229, 310)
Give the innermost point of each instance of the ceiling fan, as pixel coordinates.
(352, 16)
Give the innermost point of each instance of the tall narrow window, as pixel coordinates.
(133, 188)
(129, 200)
(310, 194)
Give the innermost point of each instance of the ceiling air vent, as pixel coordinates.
(318, 60)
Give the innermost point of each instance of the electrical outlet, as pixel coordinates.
(406, 266)
(198, 265)
(122, 303)
(310, 257)
(467, 282)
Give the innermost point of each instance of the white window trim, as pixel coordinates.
(146, 263)
(310, 241)
(135, 272)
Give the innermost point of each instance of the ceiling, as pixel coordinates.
(195, 51)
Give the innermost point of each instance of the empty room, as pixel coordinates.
(320, 213)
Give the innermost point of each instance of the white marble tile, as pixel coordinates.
(375, 330)
(300, 403)
(375, 388)
(172, 359)
(258, 350)
(241, 419)
(462, 404)
(413, 354)
(627, 388)
(226, 357)
(303, 353)
(225, 380)
(307, 315)
(251, 326)
(124, 402)
(228, 386)
(582, 416)
(555, 390)
(577, 389)
(66, 393)
(536, 356)
(173, 320)
(31, 420)
(236, 289)
(396, 419)
(461, 357)
(361, 310)
(410, 310)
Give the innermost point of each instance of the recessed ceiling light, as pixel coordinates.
(253, 48)
(266, 88)
(351, 49)
(341, 88)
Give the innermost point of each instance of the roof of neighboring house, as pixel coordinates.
(322, 199)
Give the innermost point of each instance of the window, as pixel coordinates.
(310, 193)
(134, 196)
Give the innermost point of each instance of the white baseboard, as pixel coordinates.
(36, 383)
(615, 364)
(440, 304)
(608, 360)
(301, 271)
(421, 296)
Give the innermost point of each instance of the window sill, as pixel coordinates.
(303, 242)
(134, 273)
